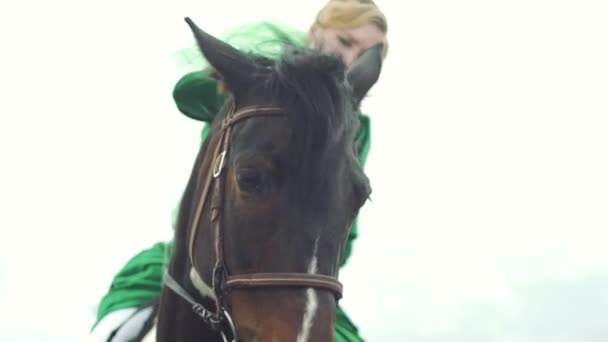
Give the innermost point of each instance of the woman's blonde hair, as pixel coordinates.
(348, 14)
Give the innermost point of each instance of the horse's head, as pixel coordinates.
(287, 190)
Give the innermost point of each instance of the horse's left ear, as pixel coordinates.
(233, 66)
(365, 71)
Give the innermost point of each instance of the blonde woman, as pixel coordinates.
(344, 27)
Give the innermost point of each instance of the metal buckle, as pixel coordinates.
(219, 164)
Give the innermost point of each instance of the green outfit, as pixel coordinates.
(196, 96)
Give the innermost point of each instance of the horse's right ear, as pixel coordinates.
(365, 71)
(233, 65)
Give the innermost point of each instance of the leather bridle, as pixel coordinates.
(223, 281)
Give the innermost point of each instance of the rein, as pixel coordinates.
(223, 281)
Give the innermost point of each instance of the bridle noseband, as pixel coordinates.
(223, 282)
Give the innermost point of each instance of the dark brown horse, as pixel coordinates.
(272, 194)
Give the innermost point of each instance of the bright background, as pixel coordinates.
(489, 163)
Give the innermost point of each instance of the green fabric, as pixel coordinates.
(196, 96)
(345, 330)
(138, 282)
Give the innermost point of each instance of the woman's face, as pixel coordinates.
(350, 44)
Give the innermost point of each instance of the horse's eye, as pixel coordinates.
(249, 179)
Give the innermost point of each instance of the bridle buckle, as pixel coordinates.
(218, 165)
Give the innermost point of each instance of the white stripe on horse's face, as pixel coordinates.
(204, 289)
(312, 301)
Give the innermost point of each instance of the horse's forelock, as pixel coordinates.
(311, 87)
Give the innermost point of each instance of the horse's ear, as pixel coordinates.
(365, 71)
(232, 65)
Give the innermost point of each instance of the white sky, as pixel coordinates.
(489, 161)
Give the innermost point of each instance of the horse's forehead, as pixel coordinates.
(269, 134)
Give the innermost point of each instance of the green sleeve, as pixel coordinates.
(345, 329)
(363, 138)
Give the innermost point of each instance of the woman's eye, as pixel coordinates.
(249, 180)
(345, 42)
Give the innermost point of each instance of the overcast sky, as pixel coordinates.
(488, 163)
